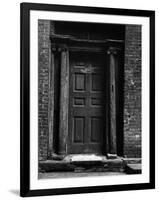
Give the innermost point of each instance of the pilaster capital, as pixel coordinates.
(62, 48)
(58, 48)
(113, 50)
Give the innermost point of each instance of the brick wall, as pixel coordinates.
(43, 85)
(132, 90)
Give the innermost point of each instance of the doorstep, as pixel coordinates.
(89, 163)
(82, 166)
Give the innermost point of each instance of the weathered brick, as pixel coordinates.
(132, 92)
(43, 85)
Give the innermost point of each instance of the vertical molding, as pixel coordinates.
(107, 115)
(64, 101)
(112, 51)
(51, 105)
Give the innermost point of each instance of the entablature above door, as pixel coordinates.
(65, 42)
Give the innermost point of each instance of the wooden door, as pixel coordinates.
(86, 103)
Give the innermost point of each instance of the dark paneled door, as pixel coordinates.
(87, 101)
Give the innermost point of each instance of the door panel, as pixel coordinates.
(96, 127)
(86, 105)
(78, 129)
(79, 81)
(96, 82)
(79, 101)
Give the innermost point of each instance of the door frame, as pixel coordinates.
(114, 55)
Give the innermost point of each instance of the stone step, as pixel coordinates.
(133, 168)
(55, 166)
(104, 165)
(114, 165)
(91, 163)
(89, 157)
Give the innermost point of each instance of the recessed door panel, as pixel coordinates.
(79, 101)
(96, 129)
(79, 82)
(78, 129)
(96, 82)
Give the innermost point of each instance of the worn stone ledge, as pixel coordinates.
(133, 168)
(132, 160)
(53, 165)
(103, 165)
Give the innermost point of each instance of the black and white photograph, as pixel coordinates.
(89, 99)
(88, 90)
